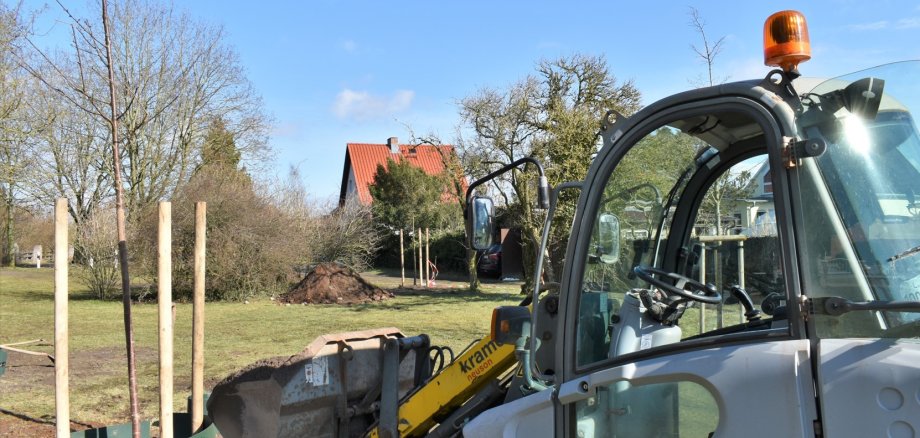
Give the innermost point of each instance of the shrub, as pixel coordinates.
(251, 244)
(97, 244)
(256, 238)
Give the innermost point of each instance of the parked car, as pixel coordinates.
(489, 262)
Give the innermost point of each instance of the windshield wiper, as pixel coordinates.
(904, 254)
(836, 306)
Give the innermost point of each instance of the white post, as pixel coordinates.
(421, 267)
(402, 260)
(61, 330)
(741, 273)
(427, 259)
(201, 209)
(164, 301)
(717, 273)
(703, 281)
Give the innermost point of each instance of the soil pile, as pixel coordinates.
(332, 283)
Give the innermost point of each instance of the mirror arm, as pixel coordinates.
(535, 296)
(542, 186)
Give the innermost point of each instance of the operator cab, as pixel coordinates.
(742, 261)
(714, 233)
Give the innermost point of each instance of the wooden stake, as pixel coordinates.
(61, 330)
(164, 301)
(427, 259)
(201, 209)
(402, 260)
(421, 267)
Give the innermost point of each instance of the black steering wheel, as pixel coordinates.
(682, 286)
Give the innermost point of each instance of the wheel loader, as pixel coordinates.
(742, 262)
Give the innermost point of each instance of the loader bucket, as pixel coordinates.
(330, 389)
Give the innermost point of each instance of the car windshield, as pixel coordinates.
(861, 228)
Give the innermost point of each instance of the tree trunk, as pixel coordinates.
(9, 228)
(718, 217)
(475, 285)
(122, 235)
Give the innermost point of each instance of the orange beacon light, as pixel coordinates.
(785, 40)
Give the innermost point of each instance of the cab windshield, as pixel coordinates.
(861, 201)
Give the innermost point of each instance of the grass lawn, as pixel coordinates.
(236, 334)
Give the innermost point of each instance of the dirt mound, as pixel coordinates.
(332, 283)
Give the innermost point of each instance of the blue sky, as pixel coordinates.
(332, 72)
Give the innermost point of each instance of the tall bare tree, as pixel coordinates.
(14, 125)
(728, 188)
(709, 50)
(121, 230)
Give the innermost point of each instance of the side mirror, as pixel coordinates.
(480, 222)
(608, 238)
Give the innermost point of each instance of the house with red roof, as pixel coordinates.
(362, 159)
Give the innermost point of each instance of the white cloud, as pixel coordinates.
(291, 129)
(363, 105)
(350, 46)
(877, 25)
(908, 23)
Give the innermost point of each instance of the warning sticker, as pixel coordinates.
(317, 371)
(645, 342)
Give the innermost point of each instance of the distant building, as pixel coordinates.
(362, 159)
(758, 213)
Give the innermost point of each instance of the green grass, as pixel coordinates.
(236, 334)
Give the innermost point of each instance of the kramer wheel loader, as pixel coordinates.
(742, 261)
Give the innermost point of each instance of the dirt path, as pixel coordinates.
(27, 372)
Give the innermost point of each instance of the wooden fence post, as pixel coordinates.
(164, 302)
(427, 258)
(421, 266)
(402, 260)
(201, 213)
(61, 330)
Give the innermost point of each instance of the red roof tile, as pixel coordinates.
(363, 158)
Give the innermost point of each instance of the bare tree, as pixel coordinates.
(173, 76)
(121, 229)
(14, 125)
(70, 158)
(727, 188)
(709, 51)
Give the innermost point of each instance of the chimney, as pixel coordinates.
(393, 143)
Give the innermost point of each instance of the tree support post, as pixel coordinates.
(402, 261)
(201, 209)
(164, 304)
(421, 267)
(61, 329)
(427, 259)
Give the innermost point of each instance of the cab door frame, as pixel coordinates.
(762, 103)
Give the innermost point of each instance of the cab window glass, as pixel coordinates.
(730, 249)
(679, 409)
(637, 197)
(734, 244)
